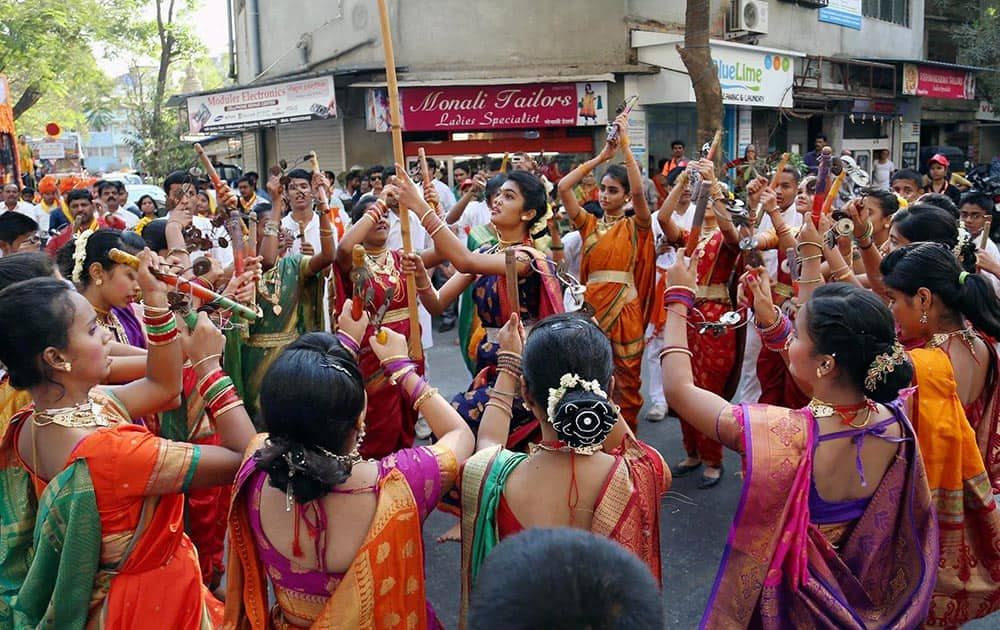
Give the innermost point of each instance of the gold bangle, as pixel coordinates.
(506, 409)
(431, 391)
(425, 288)
(667, 351)
(812, 281)
(217, 355)
(818, 246)
(228, 408)
(429, 211)
(808, 258)
(436, 230)
(394, 357)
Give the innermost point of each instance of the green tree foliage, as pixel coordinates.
(978, 43)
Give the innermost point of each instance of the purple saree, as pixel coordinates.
(780, 571)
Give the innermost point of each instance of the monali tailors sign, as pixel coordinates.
(454, 108)
(754, 78)
(264, 106)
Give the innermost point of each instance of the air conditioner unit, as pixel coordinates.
(749, 16)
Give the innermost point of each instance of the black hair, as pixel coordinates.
(618, 173)
(977, 198)
(674, 143)
(362, 204)
(934, 267)
(28, 190)
(138, 204)
(98, 245)
(820, 136)
(794, 172)
(25, 338)
(376, 168)
(310, 399)
(104, 183)
(532, 190)
(594, 208)
(431, 163)
(252, 176)
(464, 166)
(78, 193)
(354, 174)
(887, 200)
(331, 176)
(941, 201)
(673, 174)
(14, 225)
(23, 266)
(298, 173)
(660, 164)
(493, 185)
(177, 177)
(910, 174)
(842, 316)
(571, 343)
(133, 242)
(927, 223)
(155, 235)
(602, 585)
(243, 179)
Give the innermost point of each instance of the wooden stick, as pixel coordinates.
(510, 274)
(503, 163)
(425, 173)
(185, 286)
(359, 273)
(831, 195)
(314, 161)
(209, 168)
(780, 169)
(416, 347)
(702, 202)
(985, 238)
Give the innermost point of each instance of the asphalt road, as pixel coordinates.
(694, 523)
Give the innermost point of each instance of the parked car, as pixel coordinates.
(135, 191)
(126, 178)
(954, 155)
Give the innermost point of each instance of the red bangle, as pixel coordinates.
(206, 381)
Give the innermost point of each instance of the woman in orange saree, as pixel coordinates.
(932, 300)
(618, 263)
(812, 545)
(339, 538)
(107, 488)
(615, 482)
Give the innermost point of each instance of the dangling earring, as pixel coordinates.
(67, 366)
(923, 317)
(819, 372)
(355, 453)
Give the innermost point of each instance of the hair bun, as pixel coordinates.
(583, 418)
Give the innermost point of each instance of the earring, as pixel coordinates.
(923, 317)
(67, 366)
(525, 218)
(355, 453)
(819, 372)
(99, 282)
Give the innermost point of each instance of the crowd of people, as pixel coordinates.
(211, 412)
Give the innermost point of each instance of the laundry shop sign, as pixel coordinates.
(753, 78)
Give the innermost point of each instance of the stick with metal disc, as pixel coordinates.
(416, 347)
(701, 203)
(510, 275)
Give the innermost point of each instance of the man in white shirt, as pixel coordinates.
(111, 196)
(788, 183)
(445, 195)
(976, 206)
(12, 203)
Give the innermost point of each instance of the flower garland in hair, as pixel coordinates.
(963, 238)
(569, 381)
(141, 225)
(80, 254)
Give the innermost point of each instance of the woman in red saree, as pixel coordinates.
(937, 305)
(338, 537)
(109, 544)
(813, 545)
(714, 360)
(617, 263)
(588, 453)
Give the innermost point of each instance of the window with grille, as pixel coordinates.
(895, 11)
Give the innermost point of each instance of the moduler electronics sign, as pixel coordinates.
(504, 106)
(264, 106)
(754, 78)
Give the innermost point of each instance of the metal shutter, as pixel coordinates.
(325, 137)
(250, 153)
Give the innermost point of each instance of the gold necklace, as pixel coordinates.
(109, 321)
(274, 296)
(847, 413)
(967, 335)
(384, 273)
(79, 416)
(607, 222)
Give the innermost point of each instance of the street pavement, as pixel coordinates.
(694, 523)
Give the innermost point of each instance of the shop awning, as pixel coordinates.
(937, 64)
(845, 79)
(607, 77)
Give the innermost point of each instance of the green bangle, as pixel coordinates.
(163, 329)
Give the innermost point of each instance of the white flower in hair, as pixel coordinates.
(80, 254)
(569, 381)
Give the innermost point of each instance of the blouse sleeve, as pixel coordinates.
(585, 222)
(430, 472)
(729, 427)
(136, 463)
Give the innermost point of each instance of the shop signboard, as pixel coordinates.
(753, 78)
(263, 106)
(846, 13)
(910, 145)
(938, 82)
(524, 106)
(637, 137)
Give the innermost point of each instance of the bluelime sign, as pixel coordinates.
(754, 78)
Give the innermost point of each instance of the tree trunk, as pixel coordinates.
(31, 95)
(697, 58)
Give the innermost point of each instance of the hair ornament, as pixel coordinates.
(963, 238)
(962, 276)
(571, 381)
(903, 203)
(883, 365)
(331, 362)
(80, 254)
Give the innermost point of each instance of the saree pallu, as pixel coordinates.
(301, 311)
(470, 330)
(627, 510)
(391, 421)
(383, 587)
(779, 571)
(968, 577)
(205, 509)
(984, 416)
(18, 506)
(147, 564)
(621, 310)
(777, 387)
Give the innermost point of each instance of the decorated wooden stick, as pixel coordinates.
(701, 203)
(503, 162)
(207, 165)
(234, 225)
(831, 195)
(416, 347)
(425, 173)
(252, 234)
(359, 279)
(822, 184)
(985, 237)
(510, 274)
(186, 286)
(314, 161)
